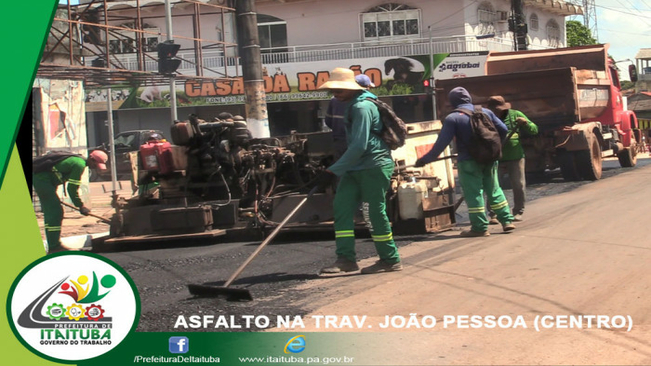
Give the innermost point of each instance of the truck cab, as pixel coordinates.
(572, 94)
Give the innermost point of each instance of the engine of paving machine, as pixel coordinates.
(214, 179)
(214, 175)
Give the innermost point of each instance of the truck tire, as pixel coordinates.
(627, 157)
(568, 166)
(589, 161)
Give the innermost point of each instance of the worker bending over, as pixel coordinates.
(57, 168)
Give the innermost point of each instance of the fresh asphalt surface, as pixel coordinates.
(163, 273)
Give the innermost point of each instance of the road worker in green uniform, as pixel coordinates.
(62, 168)
(364, 172)
(512, 161)
(475, 178)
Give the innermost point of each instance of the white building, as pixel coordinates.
(299, 38)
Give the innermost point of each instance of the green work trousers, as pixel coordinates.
(368, 185)
(51, 207)
(476, 178)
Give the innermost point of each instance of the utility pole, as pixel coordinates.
(168, 26)
(518, 25)
(249, 49)
(431, 78)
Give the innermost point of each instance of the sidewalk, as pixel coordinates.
(100, 192)
(75, 223)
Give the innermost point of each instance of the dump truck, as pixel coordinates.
(572, 94)
(214, 182)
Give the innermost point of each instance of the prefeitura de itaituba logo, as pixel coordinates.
(72, 306)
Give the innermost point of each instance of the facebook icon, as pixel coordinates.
(179, 344)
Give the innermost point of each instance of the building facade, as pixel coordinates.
(301, 40)
(643, 63)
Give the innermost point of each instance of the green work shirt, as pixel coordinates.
(512, 149)
(365, 147)
(70, 170)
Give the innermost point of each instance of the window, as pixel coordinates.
(553, 33)
(391, 20)
(272, 33)
(125, 140)
(486, 15)
(122, 41)
(533, 22)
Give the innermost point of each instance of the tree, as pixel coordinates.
(578, 34)
(626, 84)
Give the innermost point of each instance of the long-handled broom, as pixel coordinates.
(239, 293)
(103, 219)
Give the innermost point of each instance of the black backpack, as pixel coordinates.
(394, 131)
(45, 163)
(485, 145)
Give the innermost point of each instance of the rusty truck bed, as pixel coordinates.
(547, 97)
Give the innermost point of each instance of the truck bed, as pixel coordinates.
(547, 97)
(551, 98)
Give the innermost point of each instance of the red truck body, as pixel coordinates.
(572, 94)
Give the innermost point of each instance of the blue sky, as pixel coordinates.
(625, 25)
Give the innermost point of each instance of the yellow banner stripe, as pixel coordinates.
(344, 235)
(500, 205)
(475, 209)
(645, 124)
(382, 237)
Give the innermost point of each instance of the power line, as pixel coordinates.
(622, 32)
(458, 11)
(635, 7)
(620, 11)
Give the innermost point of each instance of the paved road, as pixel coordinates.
(579, 254)
(583, 250)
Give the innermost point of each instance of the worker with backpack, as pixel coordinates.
(479, 134)
(364, 172)
(51, 170)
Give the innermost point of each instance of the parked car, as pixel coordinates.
(125, 142)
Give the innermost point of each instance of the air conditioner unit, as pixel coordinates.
(502, 16)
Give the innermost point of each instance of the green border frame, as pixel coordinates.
(16, 78)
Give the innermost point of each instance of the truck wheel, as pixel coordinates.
(589, 161)
(568, 166)
(627, 157)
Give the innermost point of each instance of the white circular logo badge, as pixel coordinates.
(72, 306)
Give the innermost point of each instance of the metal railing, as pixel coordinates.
(215, 60)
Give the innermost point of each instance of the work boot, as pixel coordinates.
(382, 266)
(472, 233)
(517, 217)
(508, 226)
(342, 264)
(493, 221)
